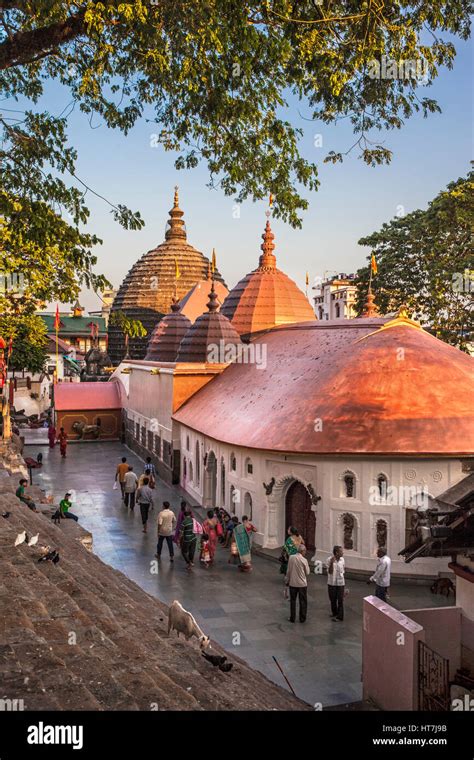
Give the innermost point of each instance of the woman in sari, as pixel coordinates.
(51, 435)
(210, 528)
(179, 521)
(291, 547)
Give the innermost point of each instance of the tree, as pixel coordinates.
(28, 334)
(131, 328)
(424, 261)
(215, 78)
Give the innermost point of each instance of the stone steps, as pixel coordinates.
(122, 658)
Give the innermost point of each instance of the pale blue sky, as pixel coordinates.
(352, 201)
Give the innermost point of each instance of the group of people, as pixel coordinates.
(63, 510)
(295, 567)
(185, 531)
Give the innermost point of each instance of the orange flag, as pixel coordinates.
(373, 264)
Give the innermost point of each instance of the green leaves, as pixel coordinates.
(425, 261)
(132, 328)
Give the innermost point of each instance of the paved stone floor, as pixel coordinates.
(245, 613)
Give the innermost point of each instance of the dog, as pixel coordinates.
(56, 517)
(443, 586)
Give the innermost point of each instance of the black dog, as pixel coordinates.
(56, 517)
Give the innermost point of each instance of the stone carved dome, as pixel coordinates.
(210, 330)
(266, 297)
(166, 337)
(168, 271)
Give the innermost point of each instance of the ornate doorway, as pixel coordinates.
(298, 513)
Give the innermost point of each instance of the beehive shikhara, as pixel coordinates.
(148, 289)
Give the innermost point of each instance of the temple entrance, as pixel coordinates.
(210, 481)
(298, 513)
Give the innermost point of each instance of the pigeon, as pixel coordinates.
(21, 538)
(53, 556)
(6, 514)
(214, 659)
(226, 667)
(33, 540)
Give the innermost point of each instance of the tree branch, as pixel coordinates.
(26, 47)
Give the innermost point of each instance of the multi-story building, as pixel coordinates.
(334, 297)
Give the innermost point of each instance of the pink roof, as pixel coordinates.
(86, 396)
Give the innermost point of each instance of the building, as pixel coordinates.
(166, 272)
(434, 669)
(340, 427)
(80, 408)
(334, 298)
(76, 329)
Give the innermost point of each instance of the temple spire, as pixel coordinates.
(371, 310)
(176, 228)
(268, 258)
(212, 304)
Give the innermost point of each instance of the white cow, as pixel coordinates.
(183, 622)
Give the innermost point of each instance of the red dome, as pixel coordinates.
(266, 297)
(166, 337)
(211, 329)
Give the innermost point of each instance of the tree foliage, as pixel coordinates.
(425, 261)
(28, 333)
(215, 77)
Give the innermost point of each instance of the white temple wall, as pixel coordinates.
(325, 476)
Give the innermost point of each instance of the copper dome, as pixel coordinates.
(151, 284)
(166, 337)
(266, 297)
(211, 329)
(356, 386)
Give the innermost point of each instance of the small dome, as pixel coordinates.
(266, 297)
(194, 303)
(211, 331)
(166, 337)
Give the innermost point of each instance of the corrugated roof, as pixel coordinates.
(74, 325)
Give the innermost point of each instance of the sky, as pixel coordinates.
(352, 201)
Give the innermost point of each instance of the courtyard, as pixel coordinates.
(245, 613)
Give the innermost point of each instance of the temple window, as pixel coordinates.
(248, 466)
(349, 532)
(233, 462)
(349, 484)
(381, 533)
(382, 484)
(198, 463)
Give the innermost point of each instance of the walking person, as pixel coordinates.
(381, 577)
(188, 539)
(145, 500)
(122, 470)
(150, 472)
(62, 439)
(130, 488)
(336, 583)
(51, 435)
(64, 507)
(209, 527)
(20, 493)
(181, 516)
(166, 525)
(297, 581)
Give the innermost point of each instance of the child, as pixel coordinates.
(205, 553)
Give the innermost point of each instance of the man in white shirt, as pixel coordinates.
(336, 583)
(166, 525)
(296, 579)
(130, 488)
(381, 577)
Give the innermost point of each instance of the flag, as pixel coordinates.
(57, 319)
(307, 279)
(271, 199)
(213, 264)
(177, 270)
(373, 264)
(10, 347)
